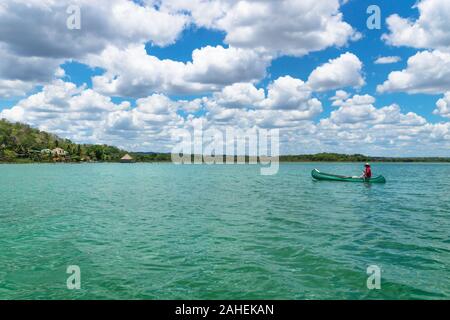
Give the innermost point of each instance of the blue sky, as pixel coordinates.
(195, 60)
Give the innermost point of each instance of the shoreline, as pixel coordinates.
(246, 163)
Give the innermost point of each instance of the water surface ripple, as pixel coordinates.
(160, 231)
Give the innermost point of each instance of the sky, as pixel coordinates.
(135, 74)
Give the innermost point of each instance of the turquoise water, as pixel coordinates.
(160, 231)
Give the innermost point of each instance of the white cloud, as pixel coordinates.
(344, 71)
(240, 95)
(288, 104)
(284, 93)
(288, 27)
(63, 108)
(285, 119)
(34, 37)
(13, 88)
(360, 110)
(357, 126)
(388, 60)
(222, 66)
(339, 98)
(192, 106)
(35, 40)
(443, 106)
(204, 13)
(289, 93)
(426, 72)
(134, 73)
(218, 115)
(39, 28)
(430, 30)
(30, 70)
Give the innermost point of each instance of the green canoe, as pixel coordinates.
(316, 174)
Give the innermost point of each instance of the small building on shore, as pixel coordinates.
(127, 159)
(58, 152)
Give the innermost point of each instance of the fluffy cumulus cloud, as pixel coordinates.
(131, 72)
(289, 27)
(387, 60)
(358, 126)
(240, 95)
(360, 110)
(290, 93)
(443, 106)
(426, 72)
(35, 39)
(344, 71)
(18, 75)
(285, 93)
(65, 109)
(288, 103)
(39, 28)
(429, 30)
(14, 88)
(339, 98)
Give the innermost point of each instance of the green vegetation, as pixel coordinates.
(336, 157)
(151, 157)
(20, 143)
(325, 157)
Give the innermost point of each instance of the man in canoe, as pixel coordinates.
(367, 173)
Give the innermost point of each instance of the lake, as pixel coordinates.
(161, 231)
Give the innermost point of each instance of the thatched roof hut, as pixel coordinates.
(127, 159)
